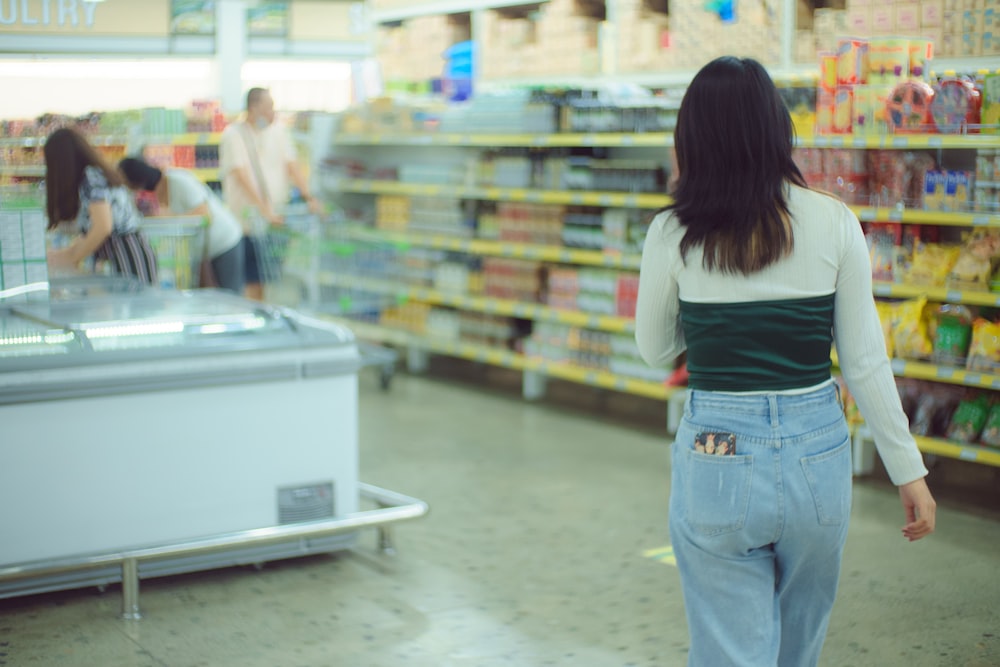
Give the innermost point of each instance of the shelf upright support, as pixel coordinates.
(231, 52)
(417, 360)
(789, 11)
(533, 385)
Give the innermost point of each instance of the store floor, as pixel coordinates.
(534, 554)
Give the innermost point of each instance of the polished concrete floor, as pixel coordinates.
(535, 553)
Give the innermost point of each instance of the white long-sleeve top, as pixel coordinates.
(830, 256)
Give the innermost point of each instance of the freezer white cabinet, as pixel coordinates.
(190, 416)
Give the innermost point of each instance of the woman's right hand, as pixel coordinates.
(920, 509)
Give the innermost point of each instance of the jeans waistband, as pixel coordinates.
(774, 406)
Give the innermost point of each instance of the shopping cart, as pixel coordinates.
(179, 245)
(314, 264)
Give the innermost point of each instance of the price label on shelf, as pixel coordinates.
(935, 142)
(967, 454)
(899, 142)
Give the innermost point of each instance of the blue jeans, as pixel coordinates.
(759, 535)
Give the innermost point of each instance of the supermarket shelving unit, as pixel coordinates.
(534, 369)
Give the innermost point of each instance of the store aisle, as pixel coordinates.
(532, 555)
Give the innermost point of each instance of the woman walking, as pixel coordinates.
(755, 276)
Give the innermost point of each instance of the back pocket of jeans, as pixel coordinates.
(829, 478)
(718, 492)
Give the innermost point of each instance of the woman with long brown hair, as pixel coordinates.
(82, 187)
(754, 275)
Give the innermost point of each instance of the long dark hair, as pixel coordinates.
(67, 154)
(734, 142)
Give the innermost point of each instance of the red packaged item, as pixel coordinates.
(909, 108)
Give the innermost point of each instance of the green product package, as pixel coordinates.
(991, 434)
(969, 419)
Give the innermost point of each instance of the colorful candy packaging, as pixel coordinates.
(852, 62)
(910, 338)
(909, 107)
(956, 104)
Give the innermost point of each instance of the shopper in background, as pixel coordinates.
(183, 194)
(256, 162)
(82, 187)
(755, 275)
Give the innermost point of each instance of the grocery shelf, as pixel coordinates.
(920, 217)
(507, 359)
(901, 141)
(943, 294)
(959, 450)
(483, 304)
(185, 139)
(37, 170)
(490, 248)
(568, 197)
(925, 371)
(555, 140)
(38, 142)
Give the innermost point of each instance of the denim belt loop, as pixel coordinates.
(772, 400)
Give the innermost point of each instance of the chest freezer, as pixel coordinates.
(142, 417)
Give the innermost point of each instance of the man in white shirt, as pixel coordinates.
(257, 161)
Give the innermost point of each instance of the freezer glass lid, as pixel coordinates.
(24, 338)
(165, 317)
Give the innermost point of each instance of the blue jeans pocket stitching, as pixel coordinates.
(721, 516)
(823, 476)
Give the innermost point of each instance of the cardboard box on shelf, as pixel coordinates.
(907, 17)
(883, 20)
(931, 13)
(859, 21)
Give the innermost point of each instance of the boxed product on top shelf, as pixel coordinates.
(523, 223)
(413, 50)
(699, 34)
(561, 37)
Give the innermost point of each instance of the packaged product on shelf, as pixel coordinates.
(956, 106)
(952, 334)
(991, 430)
(957, 190)
(932, 263)
(969, 418)
(845, 174)
(921, 49)
(910, 336)
(825, 111)
(984, 347)
(974, 265)
(852, 62)
(883, 240)
(990, 115)
(909, 107)
(935, 406)
(886, 314)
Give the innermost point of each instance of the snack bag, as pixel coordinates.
(952, 334)
(984, 349)
(932, 262)
(969, 418)
(974, 265)
(910, 338)
(991, 432)
(934, 406)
